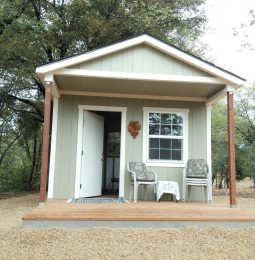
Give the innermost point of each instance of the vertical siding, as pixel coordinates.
(141, 59)
(64, 178)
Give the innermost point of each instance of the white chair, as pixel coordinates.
(140, 175)
(196, 173)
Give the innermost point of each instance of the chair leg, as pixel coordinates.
(189, 191)
(184, 192)
(136, 185)
(209, 190)
(130, 192)
(206, 193)
(145, 191)
(155, 187)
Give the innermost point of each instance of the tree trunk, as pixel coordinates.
(34, 162)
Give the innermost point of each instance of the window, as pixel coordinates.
(165, 140)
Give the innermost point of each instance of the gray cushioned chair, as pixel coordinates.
(196, 173)
(140, 175)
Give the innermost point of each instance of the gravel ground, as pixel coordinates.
(105, 243)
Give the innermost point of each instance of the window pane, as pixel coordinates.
(165, 154)
(166, 119)
(177, 130)
(154, 129)
(177, 119)
(154, 143)
(165, 130)
(154, 154)
(165, 143)
(154, 118)
(168, 125)
(177, 144)
(177, 155)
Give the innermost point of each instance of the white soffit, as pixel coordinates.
(151, 41)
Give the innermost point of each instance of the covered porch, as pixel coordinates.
(145, 70)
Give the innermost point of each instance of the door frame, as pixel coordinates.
(123, 111)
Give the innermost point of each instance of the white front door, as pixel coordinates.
(92, 155)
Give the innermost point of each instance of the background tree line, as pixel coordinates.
(34, 32)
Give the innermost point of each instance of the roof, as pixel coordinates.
(154, 42)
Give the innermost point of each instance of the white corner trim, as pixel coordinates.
(151, 41)
(53, 148)
(123, 111)
(220, 95)
(173, 164)
(138, 76)
(209, 146)
(133, 96)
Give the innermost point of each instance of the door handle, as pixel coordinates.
(102, 157)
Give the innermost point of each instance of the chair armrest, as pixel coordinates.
(131, 172)
(134, 175)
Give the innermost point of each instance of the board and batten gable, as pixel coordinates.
(141, 59)
(67, 128)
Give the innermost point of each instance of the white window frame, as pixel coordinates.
(146, 111)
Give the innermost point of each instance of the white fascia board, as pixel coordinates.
(157, 44)
(178, 54)
(90, 55)
(138, 76)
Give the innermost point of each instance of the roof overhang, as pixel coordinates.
(220, 81)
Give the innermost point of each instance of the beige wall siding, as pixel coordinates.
(141, 59)
(64, 178)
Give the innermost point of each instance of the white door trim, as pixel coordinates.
(123, 111)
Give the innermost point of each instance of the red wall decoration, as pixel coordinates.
(133, 128)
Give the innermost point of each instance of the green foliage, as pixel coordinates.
(219, 144)
(220, 147)
(245, 128)
(249, 162)
(33, 32)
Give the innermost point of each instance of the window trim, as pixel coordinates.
(177, 164)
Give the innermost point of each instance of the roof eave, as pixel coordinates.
(227, 77)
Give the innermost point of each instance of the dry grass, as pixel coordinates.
(244, 189)
(105, 243)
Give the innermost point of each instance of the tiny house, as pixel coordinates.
(96, 95)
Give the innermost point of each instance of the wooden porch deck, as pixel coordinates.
(56, 210)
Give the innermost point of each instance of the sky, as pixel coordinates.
(226, 50)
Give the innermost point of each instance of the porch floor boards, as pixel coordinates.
(142, 211)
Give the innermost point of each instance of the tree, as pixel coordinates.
(34, 32)
(246, 31)
(245, 128)
(220, 145)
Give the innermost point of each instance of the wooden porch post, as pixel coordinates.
(45, 144)
(231, 150)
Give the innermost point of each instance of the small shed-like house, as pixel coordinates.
(97, 94)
